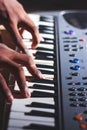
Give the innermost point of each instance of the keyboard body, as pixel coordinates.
(58, 102)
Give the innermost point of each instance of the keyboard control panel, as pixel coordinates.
(72, 32)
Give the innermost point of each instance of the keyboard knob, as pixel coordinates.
(76, 67)
(75, 60)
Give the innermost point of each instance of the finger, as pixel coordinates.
(13, 30)
(23, 59)
(5, 89)
(30, 26)
(17, 70)
(28, 61)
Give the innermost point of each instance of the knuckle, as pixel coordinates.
(18, 69)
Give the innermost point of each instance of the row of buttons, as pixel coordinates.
(76, 83)
(77, 89)
(75, 74)
(78, 94)
(73, 49)
(77, 104)
(78, 99)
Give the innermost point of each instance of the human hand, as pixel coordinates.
(14, 61)
(13, 17)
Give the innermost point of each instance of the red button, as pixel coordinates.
(82, 39)
(79, 117)
(83, 125)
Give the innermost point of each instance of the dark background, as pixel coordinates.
(41, 5)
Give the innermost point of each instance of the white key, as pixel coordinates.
(35, 18)
(26, 72)
(22, 123)
(49, 36)
(47, 46)
(44, 62)
(32, 83)
(24, 101)
(28, 101)
(38, 90)
(51, 24)
(22, 116)
(47, 76)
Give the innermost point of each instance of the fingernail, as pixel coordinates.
(27, 92)
(41, 76)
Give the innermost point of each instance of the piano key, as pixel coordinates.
(27, 106)
(34, 17)
(44, 62)
(48, 74)
(26, 123)
(49, 36)
(41, 91)
(46, 19)
(33, 114)
(45, 66)
(46, 31)
(39, 84)
(44, 51)
(51, 24)
(46, 70)
(44, 55)
(26, 35)
(47, 46)
(41, 87)
(44, 27)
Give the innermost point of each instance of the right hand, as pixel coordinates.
(14, 61)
